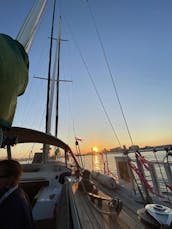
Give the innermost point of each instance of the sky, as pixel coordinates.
(135, 37)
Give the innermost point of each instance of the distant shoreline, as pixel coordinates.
(140, 149)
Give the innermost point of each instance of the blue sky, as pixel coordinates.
(137, 38)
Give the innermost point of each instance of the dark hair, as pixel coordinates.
(86, 174)
(11, 169)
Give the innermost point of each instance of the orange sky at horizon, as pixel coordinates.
(23, 151)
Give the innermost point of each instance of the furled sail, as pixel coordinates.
(14, 65)
(25, 35)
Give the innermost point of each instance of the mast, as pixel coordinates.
(47, 128)
(47, 124)
(59, 39)
(58, 79)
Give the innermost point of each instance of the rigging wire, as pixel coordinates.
(98, 95)
(110, 72)
(78, 151)
(30, 148)
(95, 88)
(113, 84)
(40, 124)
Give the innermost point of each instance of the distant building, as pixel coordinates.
(134, 147)
(116, 149)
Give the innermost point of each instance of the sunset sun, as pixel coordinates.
(95, 149)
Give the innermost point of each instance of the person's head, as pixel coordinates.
(86, 174)
(10, 173)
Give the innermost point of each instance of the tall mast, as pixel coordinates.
(47, 123)
(47, 127)
(58, 79)
(59, 39)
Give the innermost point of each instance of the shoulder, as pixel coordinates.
(19, 193)
(16, 199)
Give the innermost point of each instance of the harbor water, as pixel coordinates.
(106, 163)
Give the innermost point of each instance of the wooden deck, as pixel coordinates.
(90, 218)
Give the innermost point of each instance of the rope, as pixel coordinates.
(142, 160)
(135, 180)
(76, 140)
(143, 179)
(98, 209)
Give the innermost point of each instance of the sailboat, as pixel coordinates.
(50, 186)
(42, 181)
(54, 194)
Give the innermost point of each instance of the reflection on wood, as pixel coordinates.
(91, 218)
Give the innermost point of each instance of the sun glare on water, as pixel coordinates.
(95, 149)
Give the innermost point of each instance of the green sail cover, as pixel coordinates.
(14, 65)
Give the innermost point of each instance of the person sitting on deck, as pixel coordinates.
(86, 184)
(15, 211)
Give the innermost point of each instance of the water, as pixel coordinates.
(106, 164)
(99, 162)
(96, 162)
